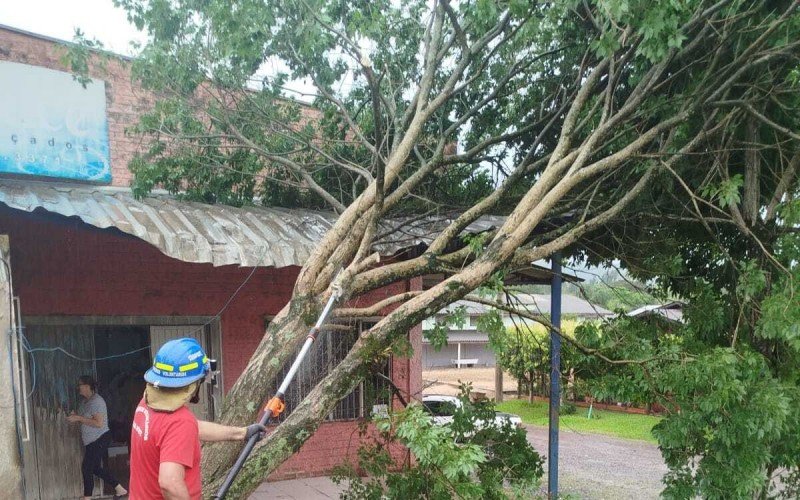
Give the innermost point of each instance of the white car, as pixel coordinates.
(443, 407)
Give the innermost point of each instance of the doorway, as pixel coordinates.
(122, 356)
(116, 352)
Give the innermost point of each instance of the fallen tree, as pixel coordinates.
(567, 111)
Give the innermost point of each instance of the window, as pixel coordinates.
(328, 350)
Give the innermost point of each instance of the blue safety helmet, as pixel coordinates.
(178, 363)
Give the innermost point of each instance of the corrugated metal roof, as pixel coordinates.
(216, 234)
(408, 232)
(672, 311)
(191, 232)
(538, 304)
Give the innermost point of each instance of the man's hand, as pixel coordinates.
(74, 418)
(255, 430)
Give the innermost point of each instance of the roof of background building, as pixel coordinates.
(672, 311)
(570, 305)
(540, 304)
(472, 337)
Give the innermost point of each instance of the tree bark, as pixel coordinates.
(247, 396)
(287, 438)
(751, 193)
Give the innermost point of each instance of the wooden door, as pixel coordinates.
(53, 380)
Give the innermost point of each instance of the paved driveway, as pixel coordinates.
(591, 466)
(597, 467)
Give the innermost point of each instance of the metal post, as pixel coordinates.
(555, 376)
(498, 381)
(498, 370)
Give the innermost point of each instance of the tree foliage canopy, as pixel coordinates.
(661, 133)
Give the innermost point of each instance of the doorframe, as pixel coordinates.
(213, 328)
(117, 320)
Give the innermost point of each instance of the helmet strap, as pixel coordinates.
(196, 396)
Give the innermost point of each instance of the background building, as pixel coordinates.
(469, 346)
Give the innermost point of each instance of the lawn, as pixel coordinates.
(624, 425)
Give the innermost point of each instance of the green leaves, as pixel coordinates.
(658, 23)
(461, 460)
(780, 314)
(437, 336)
(752, 280)
(223, 132)
(725, 193)
(732, 412)
(476, 242)
(78, 55)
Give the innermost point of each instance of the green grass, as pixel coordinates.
(624, 425)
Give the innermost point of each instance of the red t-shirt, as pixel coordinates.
(163, 437)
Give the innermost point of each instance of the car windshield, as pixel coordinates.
(440, 408)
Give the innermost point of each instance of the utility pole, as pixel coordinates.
(555, 377)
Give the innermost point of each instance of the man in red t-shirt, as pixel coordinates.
(165, 435)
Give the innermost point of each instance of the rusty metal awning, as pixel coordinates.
(216, 234)
(191, 232)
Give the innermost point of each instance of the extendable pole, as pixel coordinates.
(276, 405)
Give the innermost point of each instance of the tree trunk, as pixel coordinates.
(498, 383)
(751, 191)
(246, 398)
(531, 385)
(287, 438)
(562, 174)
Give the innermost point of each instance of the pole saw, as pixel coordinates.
(276, 405)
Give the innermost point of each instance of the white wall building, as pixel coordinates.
(468, 346)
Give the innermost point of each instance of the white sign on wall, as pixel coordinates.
(51, 126)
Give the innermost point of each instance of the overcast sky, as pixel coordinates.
(100, 20)
(58, 19)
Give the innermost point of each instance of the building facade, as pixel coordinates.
(99, 280)
(468, 346)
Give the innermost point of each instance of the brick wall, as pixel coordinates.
(62, 266)
(334, 443)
